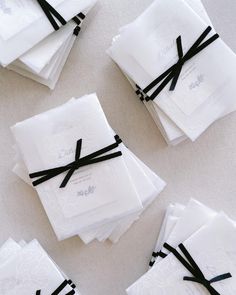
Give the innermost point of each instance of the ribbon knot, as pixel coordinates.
(79, 162)
(52, 14)
(173, 73)
(198, 276)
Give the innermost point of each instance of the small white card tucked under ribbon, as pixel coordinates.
(179, 67)
(27, 269)
(194, 254)
(36, 36)
(88, 181)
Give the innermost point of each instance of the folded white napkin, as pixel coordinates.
(93, 204)
(146, 48)
(27, 269)
(213, 250)
(147, 184)
(24, 24)
(41, 59)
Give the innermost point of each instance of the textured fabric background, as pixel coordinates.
(205, 170)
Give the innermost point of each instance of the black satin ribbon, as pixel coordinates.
(173, 73)
(155, 255)
(198, 276)
(52, 14)
(78, 163)
(159, 254)
(61, 287)
(78, 20)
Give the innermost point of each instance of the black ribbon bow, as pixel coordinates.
(52, 14)
(173, 73)
(155, 255)
(198, 277)
(78, 20)
(61, 287)
(78, 163)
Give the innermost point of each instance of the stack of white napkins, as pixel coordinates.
(30, 45)
(205, 84)
(99, 200)
(209, 238)
(27, 269)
